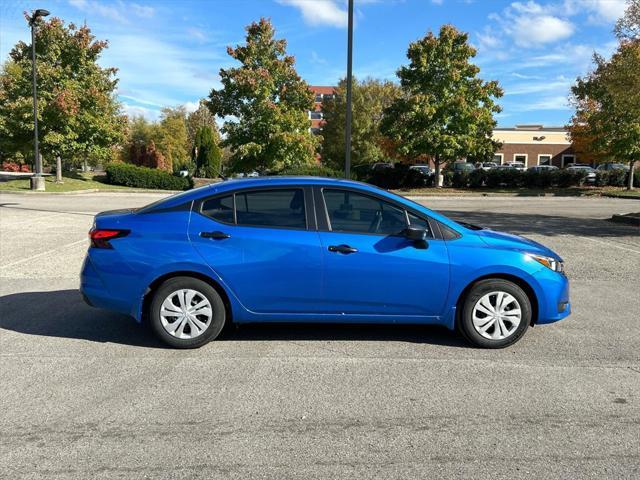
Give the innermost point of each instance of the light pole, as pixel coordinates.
(347, 132)
(37, 181)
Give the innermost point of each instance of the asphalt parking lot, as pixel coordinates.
(87, 393)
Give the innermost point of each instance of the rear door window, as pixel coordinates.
(282, 208)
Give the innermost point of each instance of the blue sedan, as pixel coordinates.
(304, 249)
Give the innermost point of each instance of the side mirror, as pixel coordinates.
(415, 233)
(418, 236)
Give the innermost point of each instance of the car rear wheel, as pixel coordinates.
(187, 312)
(496, 313)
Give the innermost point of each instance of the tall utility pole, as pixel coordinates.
(37, 181)
(347, 132)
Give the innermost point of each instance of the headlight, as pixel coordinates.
(548, 262)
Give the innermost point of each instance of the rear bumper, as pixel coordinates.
(95, 293)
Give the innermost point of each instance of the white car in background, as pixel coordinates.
(517, 165)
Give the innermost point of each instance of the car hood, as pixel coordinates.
(514, 242)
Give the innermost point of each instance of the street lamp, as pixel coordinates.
(37, 181)
(347, 132)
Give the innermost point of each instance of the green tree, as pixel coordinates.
(79, 116)
(445, 110)
(208, 153)
(369, 100)
(268, 102)
(201, 117)
(171, 138)
(607, 105)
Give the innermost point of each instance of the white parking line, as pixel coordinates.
(610, 244)
(48, 252)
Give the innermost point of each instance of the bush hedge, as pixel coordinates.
(143, 177)
(401, 176)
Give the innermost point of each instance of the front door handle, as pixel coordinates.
(215, 235)
(346, 249)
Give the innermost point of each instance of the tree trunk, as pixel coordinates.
(438, 179)
(58, 169)
(630, 184)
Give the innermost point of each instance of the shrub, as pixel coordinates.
(401, 176)
(541, 179)
(143, 177)
(617, 177)
(460, 179)
(15, 167)
(568, 178)
(477, 178)
(505, 177)
(602, 178)
(313, 171)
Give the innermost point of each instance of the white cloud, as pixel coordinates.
(601, 11)
(320, 12)
(144, 11)
(197, 34)
(119, 11)
(437, 2)
(530, 24)
(556, 102)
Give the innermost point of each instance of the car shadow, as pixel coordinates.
(64, 314)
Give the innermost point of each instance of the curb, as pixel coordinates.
(90, 190)
(627, 219)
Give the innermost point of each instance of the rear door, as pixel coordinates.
(263, 243)
(370, 267)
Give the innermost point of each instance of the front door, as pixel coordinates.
(263, 245)
(370, 267)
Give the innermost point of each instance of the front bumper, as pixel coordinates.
(553, 297)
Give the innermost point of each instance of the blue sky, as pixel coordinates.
(169, 52)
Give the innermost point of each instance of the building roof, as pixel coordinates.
(321, 89)
(531, 128)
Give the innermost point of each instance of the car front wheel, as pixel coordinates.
(496, 313)
(187, 313)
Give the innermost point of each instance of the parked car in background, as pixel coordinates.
(191, 263)
(425, 170)
(381, 166)
(486, 165)
(612, 166)
(569, 165)
(542, 168)
(462, 167)
(517, 165)
(590, 172)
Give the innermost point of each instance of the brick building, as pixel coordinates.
(534, 145)
(315, 115)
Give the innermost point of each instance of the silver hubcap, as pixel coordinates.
(186, 314)
(496, 315)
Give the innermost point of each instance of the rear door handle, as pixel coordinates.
(346, 249)
(215, 235)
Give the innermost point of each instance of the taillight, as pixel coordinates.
(100, 237)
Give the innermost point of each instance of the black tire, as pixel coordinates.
(479, 290)
(216, 323)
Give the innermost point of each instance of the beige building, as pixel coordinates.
(534, 145)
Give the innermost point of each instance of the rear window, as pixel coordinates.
(219, 208)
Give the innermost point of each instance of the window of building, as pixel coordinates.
(567, 159)
(544, 159)
(271, 208)
(498, 158)
(315, 115)
(327, 96)
(357, 213)
(219, 208)
(520, 158)
(318, 97)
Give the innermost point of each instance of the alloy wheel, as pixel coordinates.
(186, 314)
(496, 315)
